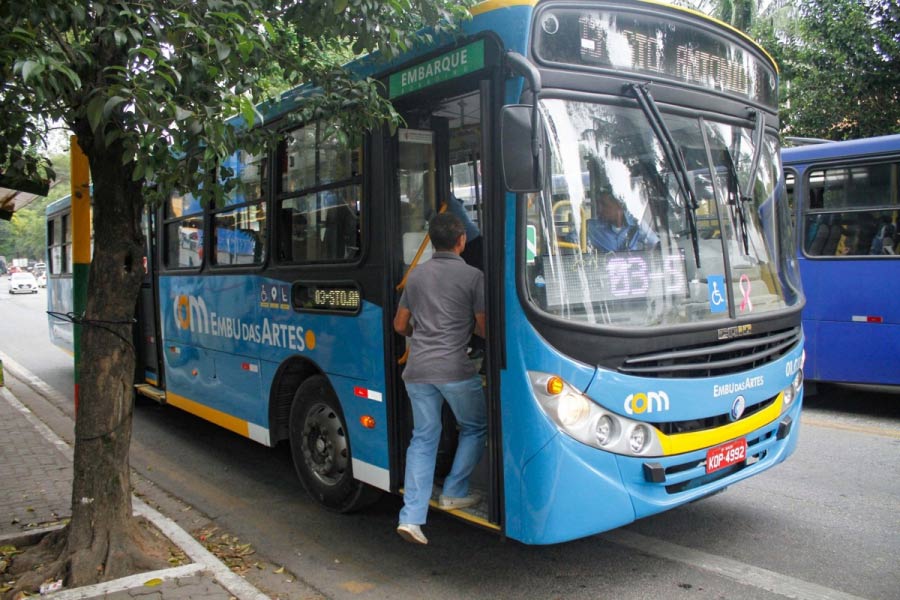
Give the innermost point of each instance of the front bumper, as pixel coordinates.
(570, 490)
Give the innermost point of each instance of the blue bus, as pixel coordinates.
(846, 200)
(59, 273)
(621, 382)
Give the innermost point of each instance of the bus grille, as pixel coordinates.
(709, 360)
(676, 427)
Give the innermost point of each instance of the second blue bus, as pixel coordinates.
(846, 198)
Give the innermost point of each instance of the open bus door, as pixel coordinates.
(148, 372)
(438, 153)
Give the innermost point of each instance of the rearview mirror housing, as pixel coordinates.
(522, 154)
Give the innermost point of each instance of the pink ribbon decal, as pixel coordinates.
(745, 290)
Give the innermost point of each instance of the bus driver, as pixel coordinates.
(617, 229)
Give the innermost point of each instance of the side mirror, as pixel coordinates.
(522, 154)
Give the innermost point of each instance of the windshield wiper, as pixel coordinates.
(674, 158)
(745, 192)
(759, 132)
(741, 198)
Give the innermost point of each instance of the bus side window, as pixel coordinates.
(341, 233)
(320, 185)
(183, 231)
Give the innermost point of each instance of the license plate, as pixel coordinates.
(729, 453)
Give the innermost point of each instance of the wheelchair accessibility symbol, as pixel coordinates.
(716, 287)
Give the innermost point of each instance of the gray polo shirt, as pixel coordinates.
(443, 296)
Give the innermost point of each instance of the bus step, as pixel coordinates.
(150, 391)
(477, 514)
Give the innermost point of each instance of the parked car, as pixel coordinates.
(23, 283)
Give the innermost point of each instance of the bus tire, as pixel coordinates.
(320, 449)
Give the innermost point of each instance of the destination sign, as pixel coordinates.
(456, 63)
(314, 296)
(639, 275)
(655, 45)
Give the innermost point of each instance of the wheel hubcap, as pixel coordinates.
(325, 445)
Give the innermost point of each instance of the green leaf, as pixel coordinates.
(249, 112)
(167, 77)
(29, 68)
(148, 52)
(340, 6)
(72, 75)
(112, 136)
(95, 111)
(111, 104)
(182, 113)
(222, 50)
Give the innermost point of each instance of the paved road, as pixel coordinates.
(825, 524)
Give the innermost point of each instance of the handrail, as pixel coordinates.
(418, 255)
(402, 360)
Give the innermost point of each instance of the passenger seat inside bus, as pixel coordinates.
(818, 236)
(883, 243)
(834, 235)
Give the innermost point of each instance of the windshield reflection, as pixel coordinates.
(609, 241)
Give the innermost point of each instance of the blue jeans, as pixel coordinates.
(466, 399)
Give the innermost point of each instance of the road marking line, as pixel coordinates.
(891, 433)
(743, 573)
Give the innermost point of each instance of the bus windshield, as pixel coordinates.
(610, 240)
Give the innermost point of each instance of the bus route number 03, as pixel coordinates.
(726, 455)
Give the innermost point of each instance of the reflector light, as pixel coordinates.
(554, 385)
(367, 421)
(867, 319)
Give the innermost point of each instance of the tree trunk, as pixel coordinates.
(104, 541)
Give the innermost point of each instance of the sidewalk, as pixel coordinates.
(35, 496)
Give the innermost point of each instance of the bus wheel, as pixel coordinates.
(321, 450)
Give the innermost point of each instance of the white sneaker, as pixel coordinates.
(412, 533)
(451, 503)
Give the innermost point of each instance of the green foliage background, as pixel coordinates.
(25, 235)
(839, 60)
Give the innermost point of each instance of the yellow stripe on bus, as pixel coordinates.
(490, 5)
(212, 415)
(466, 516)
(696, 440)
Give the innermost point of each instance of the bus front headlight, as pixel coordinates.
(798, 382)
(605, 430)
(637, 441)
(788, 395)
(579, 417)
(571, 409)
(792, 391)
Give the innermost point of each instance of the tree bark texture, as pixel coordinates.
(103, 539)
